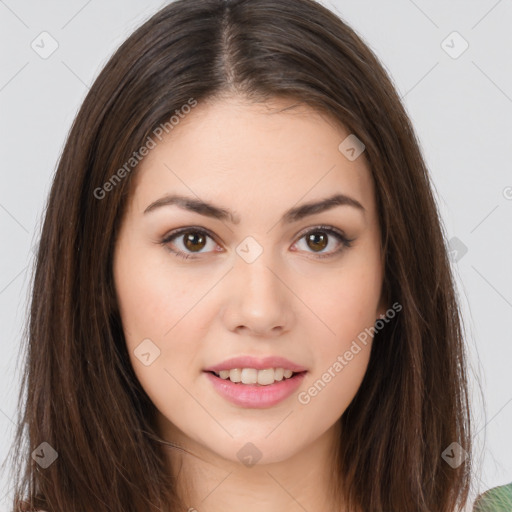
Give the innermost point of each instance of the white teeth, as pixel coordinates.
(253, 376)
(249, 376)
(235, 375)
(266, 377)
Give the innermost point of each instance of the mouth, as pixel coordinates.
(254, 389)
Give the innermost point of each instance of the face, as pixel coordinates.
(255, 274)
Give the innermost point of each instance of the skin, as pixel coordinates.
(257, 161)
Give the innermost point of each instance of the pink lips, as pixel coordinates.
(255, 396)
(258, 364)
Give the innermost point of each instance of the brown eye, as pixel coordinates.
(194, 241)
(319, 238)
(317, 241)
(186, 243)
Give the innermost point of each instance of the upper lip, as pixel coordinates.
(258, 364)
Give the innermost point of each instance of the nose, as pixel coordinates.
(258, 301)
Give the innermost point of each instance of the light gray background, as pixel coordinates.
(461, 109)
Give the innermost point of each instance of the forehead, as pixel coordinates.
(231, 149)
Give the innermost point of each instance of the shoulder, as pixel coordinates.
(497, 499)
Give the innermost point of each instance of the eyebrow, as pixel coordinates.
(292, 215)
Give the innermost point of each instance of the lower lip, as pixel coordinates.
(256, 397)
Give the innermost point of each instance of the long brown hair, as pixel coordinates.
(79, 392)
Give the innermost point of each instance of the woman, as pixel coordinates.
(242, 294)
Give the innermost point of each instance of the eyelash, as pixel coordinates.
(345, 242)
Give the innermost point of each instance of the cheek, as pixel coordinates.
(327, 394)
(152, 301)
(345, 303)
(154, 316)
(157, 316)
(345, 306)
(342, 352)
(142, 304)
